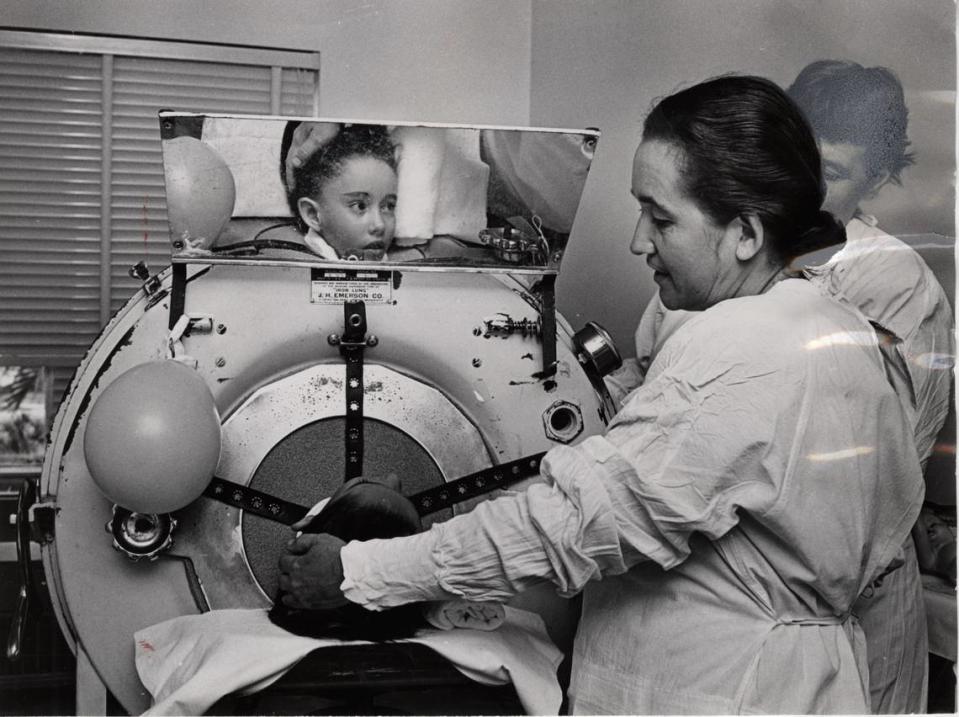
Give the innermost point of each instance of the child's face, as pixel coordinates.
(355, 212)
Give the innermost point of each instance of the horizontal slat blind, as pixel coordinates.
(50, 189)
(299, 91)
(141, 88)
(52, 159)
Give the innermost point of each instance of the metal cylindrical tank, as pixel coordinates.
(453, 383)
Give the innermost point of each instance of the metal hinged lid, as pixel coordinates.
(473, 197)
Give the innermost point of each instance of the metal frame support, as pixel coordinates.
(547, 288)
(177, 293)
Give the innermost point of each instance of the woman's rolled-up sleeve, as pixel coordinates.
(686, 452)
(561, 530)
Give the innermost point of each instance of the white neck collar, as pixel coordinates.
(319, 245)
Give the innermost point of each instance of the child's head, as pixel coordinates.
(367, 508)
(346, 191)
(361, 509)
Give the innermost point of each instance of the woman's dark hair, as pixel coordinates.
(865, 106)
(361, 510)
(355, 140)
(747, 149)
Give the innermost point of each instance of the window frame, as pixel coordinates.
(276, 62)
(109, 46)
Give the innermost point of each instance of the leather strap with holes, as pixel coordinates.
(352, 345)
(426, 501)
(476, 484)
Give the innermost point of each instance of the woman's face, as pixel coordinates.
(848, 181)
(692, 263)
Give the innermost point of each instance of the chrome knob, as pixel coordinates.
(595, 349)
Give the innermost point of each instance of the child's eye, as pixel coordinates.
(389, 206)
(359, 205)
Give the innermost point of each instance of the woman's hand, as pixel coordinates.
(311, 572)
(308, 137)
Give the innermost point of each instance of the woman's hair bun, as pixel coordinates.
(824, 231)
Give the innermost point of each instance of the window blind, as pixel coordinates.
(81, 176)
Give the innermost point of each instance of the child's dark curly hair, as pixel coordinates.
(357, 140)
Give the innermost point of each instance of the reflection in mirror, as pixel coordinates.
(290, 190)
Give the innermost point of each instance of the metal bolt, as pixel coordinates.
(178, 244)
(221, 328)
(371, 340)
(220, 362)
(477, 362)
(333, 339)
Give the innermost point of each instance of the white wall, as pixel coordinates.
(602, 62)
(574, 63)
(438, 60)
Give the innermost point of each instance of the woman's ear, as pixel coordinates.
(310, 213)
(747, 231)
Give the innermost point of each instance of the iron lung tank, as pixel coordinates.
(444, 359)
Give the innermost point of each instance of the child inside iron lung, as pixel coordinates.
(361, 509)
(344, 195)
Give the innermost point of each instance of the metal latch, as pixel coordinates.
(33, 521)
(41, 518)
(141, 271)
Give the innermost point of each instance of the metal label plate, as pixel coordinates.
(334, 286)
